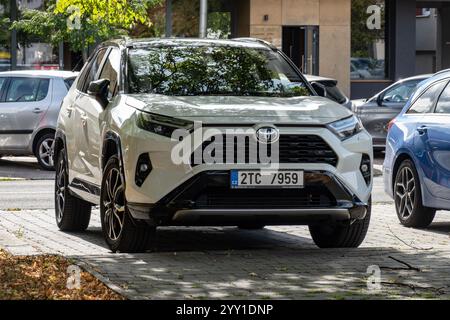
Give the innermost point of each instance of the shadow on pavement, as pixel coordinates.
(439, 227)
(230, 263)
(187, 239)
(23, 168)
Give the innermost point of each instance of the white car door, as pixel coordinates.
(87, 132)
(110, 69)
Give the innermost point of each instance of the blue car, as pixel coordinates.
(417, 162)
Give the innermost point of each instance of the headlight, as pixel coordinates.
(346, 128)
(162, 125)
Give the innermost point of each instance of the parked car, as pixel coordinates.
(376, 112)
(29, 108)
(137, 112)
(327, 87)
(417, 162)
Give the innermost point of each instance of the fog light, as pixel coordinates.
(143, 169)
(364, 168)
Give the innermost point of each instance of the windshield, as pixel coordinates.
(212, 70)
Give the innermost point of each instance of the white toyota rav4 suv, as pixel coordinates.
(163, 132)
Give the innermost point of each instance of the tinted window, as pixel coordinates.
(23, 89)
(212, 70)
(43, 89)
(443, 105)
(110, 71)
(426, 101)
(2, 85)
(68, 82)
(401, 93)
(90, 71)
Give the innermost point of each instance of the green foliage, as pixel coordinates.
(362, 37)
(82, 23)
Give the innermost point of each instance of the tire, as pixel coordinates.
(44, 151)
(71, 213)
(350, 235)
(121, 232)
(251, 226)
(408, 198)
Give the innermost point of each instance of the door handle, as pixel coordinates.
(422, 130)
(69, 111)
(83, 118)
(37, 110)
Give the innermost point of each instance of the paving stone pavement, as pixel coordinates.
(227, 263)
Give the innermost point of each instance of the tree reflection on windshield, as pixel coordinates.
(212, 70)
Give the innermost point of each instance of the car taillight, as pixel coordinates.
(390, 124)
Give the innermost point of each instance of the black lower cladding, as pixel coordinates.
(211, 190)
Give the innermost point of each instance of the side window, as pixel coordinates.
(23, 89)
(443, 105)
(90, 71)
(68, 82)
(111, 70)
(400, 93)
(43, 89)
(2, 86)
(425, 103)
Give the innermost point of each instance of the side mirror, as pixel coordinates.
(320, 89)
(380, 100)
(99, 89)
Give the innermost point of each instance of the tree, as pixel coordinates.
(363, 38)
(83, 23)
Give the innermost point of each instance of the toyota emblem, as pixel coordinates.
(267, 135)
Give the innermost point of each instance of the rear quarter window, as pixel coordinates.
(68, 82)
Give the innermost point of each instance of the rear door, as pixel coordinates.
(24, 101)
(433, 145)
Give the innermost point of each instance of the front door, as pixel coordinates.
(86, 162)
(301, 45)
(432, 144)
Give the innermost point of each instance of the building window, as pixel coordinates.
(33, 53)
(368, 47)
(185, 18)
(5, 36)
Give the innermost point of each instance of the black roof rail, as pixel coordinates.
(260, 41)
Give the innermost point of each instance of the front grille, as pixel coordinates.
(293, 148)
(225, 198)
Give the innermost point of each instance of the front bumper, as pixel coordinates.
(206, 199)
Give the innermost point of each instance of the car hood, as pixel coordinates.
(231, 109)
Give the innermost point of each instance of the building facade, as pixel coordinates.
(365, 44)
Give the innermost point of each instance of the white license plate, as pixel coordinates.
(267, 179)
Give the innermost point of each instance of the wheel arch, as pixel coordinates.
(111, 146)
(60, 143)
(406, 155)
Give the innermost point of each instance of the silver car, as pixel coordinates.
(29, 108)
(376, 113)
